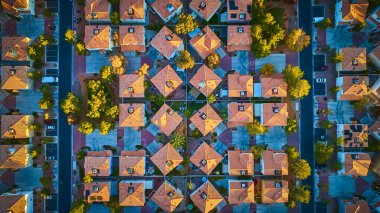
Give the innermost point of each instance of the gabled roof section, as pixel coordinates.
(97, 192)
(274, 191)
(166, 42)
(132, 115)
(132, 193)
(14, 203)
(14, 78)
(241, 192)
(97, 9)
(355, 206)
(205, 80)
(274, 114)
(353, 87)
(97, 37)
(205, 42)
(273, 86)
(132, 38)
(166, 80)
(240, 86)
(240, 162)
(206, 9)
(356, 164)
(240, 114)
(274, 163)
(15, 48)
(239, 38)
(132, 163)
(132, 9)
(206, 119)
(374, 55)
(239, 10)
(98, 163)
(355, 135)
(16, 126)
(131, 86)
(354, 59)
(14, 5)
(166, 8)
(14, 156)
(354, 11)
(167, 197)
(166, 159)
(166, 119)
(206, 158)
(206, 197)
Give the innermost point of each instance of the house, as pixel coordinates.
(16, 126)
(374, 129)
(374, 56)
(274, 163)
(20, 202)
(239, 38)
(132, 11)
(166, 81)
(132, 115)
(239, 114)
(131, 86)
(273, 86)
(350, 12)
(205, 42)
(166, 119)
(354, 163)
(353, 205)
(373, 20)
(167, 9)
(97, 192)
(15, 78)
(240, 86)
(355, 135)
(97, 37)
(206, 119)
(97, 10)
(132, 163)
(205, 80)
(374, 93)
(15, 156)
(273, 114)
(167, 197)
(132, 38)
(352, 88)
(241, 191)
(239, 11)
(167, 43)
(206, 158)
(205, 9)
(240, 163)
(132, 193)
(18, 7)
(166, 159)
(98, 163)
(206, 197)
(274, 191)
(354, 59)
(15, 48)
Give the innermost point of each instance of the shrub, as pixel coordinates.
(213, 60)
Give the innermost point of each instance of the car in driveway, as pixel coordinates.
(49, 79)
(320, 80)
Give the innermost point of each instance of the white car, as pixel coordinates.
(320, 80)
(49, 79)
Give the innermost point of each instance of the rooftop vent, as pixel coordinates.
(95, 188)
(275, 109)
(355, 62)
(203, 195)
(131, 189)
(169, 84)
(355, 156)
(170, 7)
(131, 29)
(241, 108)
(242, 172)
(277, 172)
(242, 16)
(11, 151)
(169, 163)
(274, 91)
(243, 185)
(94, 15)
(170, 194)
(11, 131)
(95, 171)
(243, 93)
(96, 31)
(240, 29)
(355, 80)
(131, 110)
(130, 11)
(12, 72)
(201, 33)
(130, 89)
(278, 184)
(203, 162)
(203, 116)
(202, 5)
(168, 37)
(130, 171)
(170, 111)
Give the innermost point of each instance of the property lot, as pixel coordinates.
(51, 53)
(319, 61)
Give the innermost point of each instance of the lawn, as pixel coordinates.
(278, 14)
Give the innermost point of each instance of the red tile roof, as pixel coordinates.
(166, 42)
(353, 87)
(166, 80)
(167, 197)
(205, 80)
(166, 159)
(132, 38)
(131, 86)
(240, 163)
(97, 37)
(132, 9)
(206, 158)
(166, 8)
(241, 192)
(132, 115)
(97, 9)
(132, 163)
(240, 85)
(132, 193)
(239, 37)
(274, 191)
(207, 10)
(206, 197)
(274, 114)
(97, 191)
(273, 86)
(15, 48)
(274, 162)
(235, 8)
(240, 114)
(98, 163)
(205, 42)
(166, 119)
(206, 119)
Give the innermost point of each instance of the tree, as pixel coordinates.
(360, 105)
(71, 104)
(324, 24)
(105, 127)
(325, 124)
(336, 58)
(45, 192)
(291, 151)
(335, 165)
(80, 49)
(35, 126)
(46, 102)
(71, 36)
(300, 89)
(115, 17)
(46, 181)
(267, 70)
(114, 204)
(335, 89)
(358, 27)
(298, 194)
(300, 168)
(291, 126)
(211, 99)
(107, 73)
(114, 2)
(292, 74)
(46, 166)
(256, 128)
(323, 151)
(79, 206)
(118, 62)
(186, 24)
(184, 60)
(115, 39)
(257, 151)
(297, 40)
(80, 155)
(86, 127)
(178, 141)
(213, 60)
(340, 141)
(143, 69)
(87, 179)
(113, 111)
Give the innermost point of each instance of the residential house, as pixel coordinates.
(273, 114)
(131, 86)
(167, 43)
(15, 78)
(15, 48)
(239, 114)
(15, 156)
(239, 38)
(240, 162)
(205, 9)
(16, 126)
(97, 192)
(374, 93)
(274, 163)
(166, 81)
(97, 10)
(20, 202)
(167, 9)
(97, 37)
(374, 56)
(352, 88)
(374, 129)
(373, 20)
(132, 193)
(132, 115)
(132, 38)
(355, 135)
(206, 158)
(239, 11)
(132, 163)
(354, 59)
(132, 11)
(205, 80)
(166, 119)
(353, 205)
(274, 191)
(98, 163)
(18, 7)
(205, 42)
(273, 86)
(354, 163)
(166, 159)
(206, 197)
(240, 86)
(350, 12)
(206, 119)
(167, 197)
(241, 191)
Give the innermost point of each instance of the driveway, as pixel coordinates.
(240, 138)
(134, 62)
(96, 141)
(343, 111)
(27, 101)
(95, 61)
(338, 37)
(30, 26)
(341, 186)
(28, 178)
(131, 139)
(240, 62)
(275, 138)
(278, 60)
(273, 208)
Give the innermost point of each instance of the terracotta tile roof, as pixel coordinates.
(274, 114)
(206, 119)
(205, 80)
(14, 78)
(354, 59)
(14, 156)
(166, 119)
(97, 192)
(241, 192)
(374, 55)
(98, 163)
(166, 80)
(166, 159)
(375, 127)
(240, 85)
(132, 115)
(132, 163)
(355, 206)
(132, 193)
(240, 162)
(273, 86)
(355, 135)
(165, 8)
(205, 42)
(353, 87)
(166, 42)
(207, 10)
(206, 197)
(97, 37)
(167, 197)
(13, 5)
(131, 86)
(97, 9)
(15, 48)
(239, 37)
(356, 12)
(356, 167)
(132, 9)
(274, 163)
(14, 203)
(132, 38)
(237, 8)
(16, 126)
(206, 158)
(274, 191)
(239, 114)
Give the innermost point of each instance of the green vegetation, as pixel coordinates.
(105, 127)
(36, 50)
(291, 126)
(297, 40)
(213, 60)
(267, 70)
(257, 151)
(87, 179)
(360, 105)
(143, 69)
(336, 58)
(114, 2)
(256, 128)
(114, 204)
(118, 62)
(335, 165)
(325, 124)
(278, 14)
(186, 24)
(184, 60)
(86, 127)
(46, 181)
(335, 89)
(79, 206)
(297, 87)
(115, 17)
(72, 37)
(45, 192)
(107, 74)
(323, 151)
(300, 168)
(71, 105)
(358, 27)
(178, 141)
(35, 126)
(211, 99)
(324, 24)
(297, 194)
(292, 153)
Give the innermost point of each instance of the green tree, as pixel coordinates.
(298, 194)
(292, 74)
(113, 111)
(213, 60)
(46, 166)
(46, 102)
(256, 128)
(267, 70)
(105, 127)
(335, 165)
(71, 36)
(300, 168)
(114, 2)
(71, 104)
(80, 48)
(178, 141)
(323, 151)
(79, 206)
(115, 17)
(86, 127)
(340, 141)
(324, 24)
(211, 99)
(300, 89)
(292, 153)
(185, 24)
(335, 89)
(257, 151)
(45, 192)
(46, 181)
(325, 124)
(360, 105)
(80, 155)
(336, 58)
(35, 126)
(143, 69)
(291, 126)
(107, 73)
(87, 179)
(114, 204)
(297, 40)
(358, 27)
(184, 60)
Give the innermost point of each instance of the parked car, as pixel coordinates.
(49, 79)
(320, 80)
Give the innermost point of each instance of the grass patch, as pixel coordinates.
(278, 14)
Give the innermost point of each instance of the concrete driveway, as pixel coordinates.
(240, 138)
(134, 62)
(27, 101)
(341, 186)
(343, 111)
(95, 61)
(132, 138)
(96, 141)
(240, 62)
(275, 138)
(30, 26)
(278, 60)
(338, 37)
(28, 178)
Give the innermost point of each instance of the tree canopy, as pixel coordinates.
(297, 40)
(324, 24)
(184, 60)
(323, 151)
(297, 87)
(213, 60)
(86, 127)
(257, 151)
(79, 206)
(267, 70)
(178, 141)
(292, 153)
(105, 127)
(186, 24)
(298, 194)
(107, 73)
(115, 17)
(87, 179)
(291, 126)
(71, 104)
(300, 168)
(71, 36)
(256, 128)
